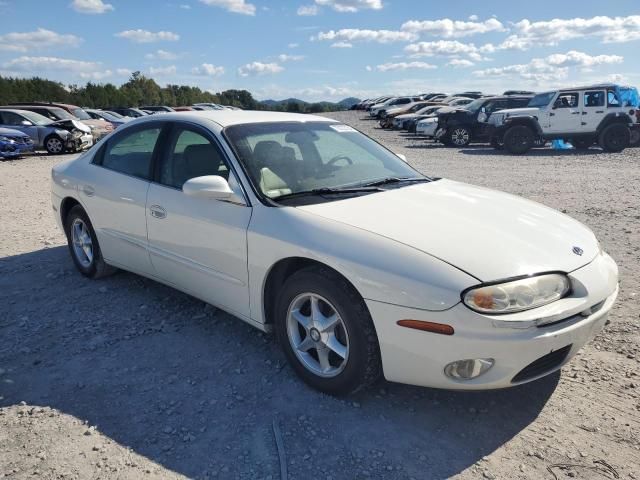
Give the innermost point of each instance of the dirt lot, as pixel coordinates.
(126, 378)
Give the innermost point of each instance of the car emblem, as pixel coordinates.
(577, 251)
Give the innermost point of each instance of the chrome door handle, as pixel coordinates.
(575, 113)
(599, 111)
(88, 190)
(157, 211)
(552, 114)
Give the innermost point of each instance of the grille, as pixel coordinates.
(542, 365)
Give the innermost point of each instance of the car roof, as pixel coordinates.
(226, 118)
(48, 104)
(27, 106)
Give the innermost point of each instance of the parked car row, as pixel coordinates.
(516, 121)
(60, 128)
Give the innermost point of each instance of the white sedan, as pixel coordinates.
(360, 264)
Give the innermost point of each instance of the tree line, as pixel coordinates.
(139, 90)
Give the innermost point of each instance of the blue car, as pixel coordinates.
(14, 143)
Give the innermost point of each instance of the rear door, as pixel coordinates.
(198, 244)
(115, 195)
(593, 109)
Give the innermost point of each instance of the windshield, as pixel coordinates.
(35, 118)
(112, 114)
(80, 114)
(284, 158)
(475, 105)
(62, 114)
(542, 99)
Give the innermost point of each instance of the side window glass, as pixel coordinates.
(612, 98)
(10, 118)
(131, 154)
(567, 100)
(191, 155)
(594, 99)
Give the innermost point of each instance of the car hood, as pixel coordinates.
(489, 234)
(521, 111)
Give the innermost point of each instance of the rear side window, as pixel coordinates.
(612, 98)
(594, 99)
(131, 153)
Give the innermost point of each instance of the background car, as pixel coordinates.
(14, 143)
(99, 127)
(54, 136)
(157, 109)
(128, 112)
(113, 118)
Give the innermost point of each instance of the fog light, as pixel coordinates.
(468, 369)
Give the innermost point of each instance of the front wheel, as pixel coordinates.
(519, 139)
(326, 332)
(54, 145)
(615, 138)
(83, 245)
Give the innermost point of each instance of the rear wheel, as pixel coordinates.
(634, 138)
(459, 136)
(83, 245)
(326, 332)
(519, 139)
(615, 138)
(54, 145)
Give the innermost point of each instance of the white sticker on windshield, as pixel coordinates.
(342, 128)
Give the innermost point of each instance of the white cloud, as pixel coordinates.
(473, 18)
(161, 55)
(123, 72)
(342, 45)
(290, 58)
(37, 40)
(208, 69)
(307, 10)
(293, 45)
(452, 29)
(163, 71)
(35, 64)
(234, 6)
(96, 75)
(449, 48)
(551, 32)
(93, 7)
(259, 68)
(355, 34)
(351, 6)
(184, 6)
(145, 36)
(388, 67)
(552, 68)
(460, 63)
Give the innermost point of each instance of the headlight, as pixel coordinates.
(517, 295)
(5, 139)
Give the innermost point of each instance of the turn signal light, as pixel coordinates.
(432, 327)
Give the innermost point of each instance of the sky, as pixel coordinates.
(325, 49)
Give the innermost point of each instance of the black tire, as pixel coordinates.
(519, 139)
(363, 365)
(97, 268)
(458, 137)
(581, 143)
(615, 138)
(634, 138)
(54, 145)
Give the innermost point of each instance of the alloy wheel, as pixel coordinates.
(54, 145)
(460, 136)
(317, 335)
(82, 244)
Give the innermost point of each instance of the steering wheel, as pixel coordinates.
(337, 158)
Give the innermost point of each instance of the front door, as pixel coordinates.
(566, 113)
(198, 245)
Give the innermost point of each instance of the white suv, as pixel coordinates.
(581, 116)
(379, 110)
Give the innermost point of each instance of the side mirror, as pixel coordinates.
(402, 157)
(483, 110)
(209, 186)
(26, 123)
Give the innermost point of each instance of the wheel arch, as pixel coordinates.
(528, 121)
(278, 274)
(612, 118)
(65, 207)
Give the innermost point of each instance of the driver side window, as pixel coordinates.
(567, 100)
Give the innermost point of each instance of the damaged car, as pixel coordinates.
(56, 137)
(14, 143)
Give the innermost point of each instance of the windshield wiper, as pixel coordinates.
(388, 180)
(329, 191)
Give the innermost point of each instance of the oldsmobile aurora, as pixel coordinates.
(361, 265)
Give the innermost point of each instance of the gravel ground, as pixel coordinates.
(126, 378)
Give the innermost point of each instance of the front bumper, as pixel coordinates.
(419, 358)
(427, 129)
